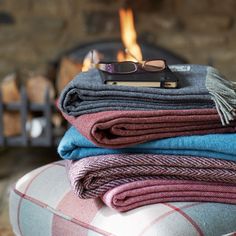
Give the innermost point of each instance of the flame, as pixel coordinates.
(86, 64)
(128, 36)
(121, 56)
(129, 39)
(90, 59)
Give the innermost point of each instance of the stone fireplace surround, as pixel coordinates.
(32, 33)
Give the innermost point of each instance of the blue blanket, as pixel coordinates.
(74, 146)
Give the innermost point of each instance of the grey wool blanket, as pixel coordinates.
(199, 87)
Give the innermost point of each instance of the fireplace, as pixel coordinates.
(40, 129)
(35, 32)
(51, 135)
(109, 49)
(48, 32)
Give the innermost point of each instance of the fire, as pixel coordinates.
(86, 64)
(128, 36)
(121, 56)
(129, 39)
(90, 59)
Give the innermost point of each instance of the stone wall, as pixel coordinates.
(33, 32)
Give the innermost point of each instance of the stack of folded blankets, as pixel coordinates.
(134, 146)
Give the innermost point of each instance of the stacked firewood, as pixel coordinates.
(36, 86)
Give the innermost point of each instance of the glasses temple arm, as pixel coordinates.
(103, 67)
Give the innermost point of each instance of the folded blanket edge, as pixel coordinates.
(223, 94)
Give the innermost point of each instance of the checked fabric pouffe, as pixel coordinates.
(42, 204)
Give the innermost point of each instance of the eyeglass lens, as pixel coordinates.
(155, 65)
(124, 67)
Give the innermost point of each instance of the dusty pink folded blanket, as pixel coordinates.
(139, 193)
(93, 176)
(117, 129)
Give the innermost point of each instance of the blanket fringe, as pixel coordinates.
(223, 93)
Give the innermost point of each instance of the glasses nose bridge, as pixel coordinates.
(142, 63)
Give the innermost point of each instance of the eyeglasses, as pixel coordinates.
(128, 67)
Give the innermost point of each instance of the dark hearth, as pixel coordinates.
(109, 49)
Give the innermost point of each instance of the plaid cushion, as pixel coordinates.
(42, 203)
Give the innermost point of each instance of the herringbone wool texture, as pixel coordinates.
(93, 176)
(42, 204)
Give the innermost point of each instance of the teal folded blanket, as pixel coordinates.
(74, 146)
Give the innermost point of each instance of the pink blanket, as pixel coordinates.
(140, 193)
(93, 176)
(117, 129)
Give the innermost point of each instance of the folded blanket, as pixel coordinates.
(75, 146)
(140, 193)
(116, 129)
(93, 176)
(199, 87)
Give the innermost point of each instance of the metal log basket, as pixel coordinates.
(49, 136)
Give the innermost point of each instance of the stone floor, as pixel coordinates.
(14, 163)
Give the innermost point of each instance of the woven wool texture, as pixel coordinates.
(199, 87)
(117, 129)
(75, 146)
(87, 94)
(93, 176)
(140, 193)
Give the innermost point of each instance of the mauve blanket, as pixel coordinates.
(75, 146)
(140, 193)
(199, 87)
(117, 129)
(93, 176)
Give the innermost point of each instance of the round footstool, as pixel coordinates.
(42, 203)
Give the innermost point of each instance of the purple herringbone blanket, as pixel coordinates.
(140, 193)
(93, 176)
(117, 129)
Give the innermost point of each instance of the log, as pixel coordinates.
(11, 123)
(57, 120)
(36, 87)
(10, 89)
(11, 94)
(67, 71)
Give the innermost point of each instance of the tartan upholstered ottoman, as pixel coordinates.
(42, 203)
